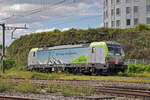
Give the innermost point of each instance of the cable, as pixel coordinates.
(7, 18)
(40, 10)
(34, 11)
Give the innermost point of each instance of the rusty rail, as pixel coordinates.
(15, 98)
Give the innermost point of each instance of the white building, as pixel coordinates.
(126, 13)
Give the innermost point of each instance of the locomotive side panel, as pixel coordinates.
(63, 56)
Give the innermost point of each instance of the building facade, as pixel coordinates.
(126, 13)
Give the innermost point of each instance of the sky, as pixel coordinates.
(48, 15)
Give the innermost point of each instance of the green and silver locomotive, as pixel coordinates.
(94, 58)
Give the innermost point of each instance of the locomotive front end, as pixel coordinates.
(116, 57)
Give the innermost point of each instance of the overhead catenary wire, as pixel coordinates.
(34, 11)
(38, 10)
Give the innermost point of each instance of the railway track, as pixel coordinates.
(126, 92)
(15, 98)
(137, 90)
(74, 98)
(90, 83)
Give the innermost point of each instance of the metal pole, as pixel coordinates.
(3, 49)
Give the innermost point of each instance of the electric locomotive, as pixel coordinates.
(95, 58)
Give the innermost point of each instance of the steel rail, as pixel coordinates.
(125, 92)
(15, 98)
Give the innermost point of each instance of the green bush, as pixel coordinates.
(10, 64)
(147, 68)
(136, 69)
(142, 27)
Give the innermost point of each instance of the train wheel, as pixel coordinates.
(93, 72)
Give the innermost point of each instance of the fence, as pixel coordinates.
(137, 61)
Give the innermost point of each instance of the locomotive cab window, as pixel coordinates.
(33, 54)
(115, 49)
(93, 49)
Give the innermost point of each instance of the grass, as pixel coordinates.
(28, 87)
(6, 85)
(77, 91)
(63, 89)
(70, 90)
(52, 89)
(35, 75)
(132, 71)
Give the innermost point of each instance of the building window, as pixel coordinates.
(117, 1)
(118, 23)
(106, 2)
(136, 9)
(128, 1)
(148, 20)
(148, 8)
(112, 12)
(112, 23)
(148, 2)
(135, 21)
(106, 14)
(118, 11)
(128, 22)
(128, 10)
(112, 1)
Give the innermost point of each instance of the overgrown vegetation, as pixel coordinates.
(70, 90)
(11, 65)
(135, 41)
(77, 91)
(137, 70)
(5, 85)
(10, 86)
(28, 87)
(29, 75)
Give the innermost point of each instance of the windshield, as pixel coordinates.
(115, 49)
